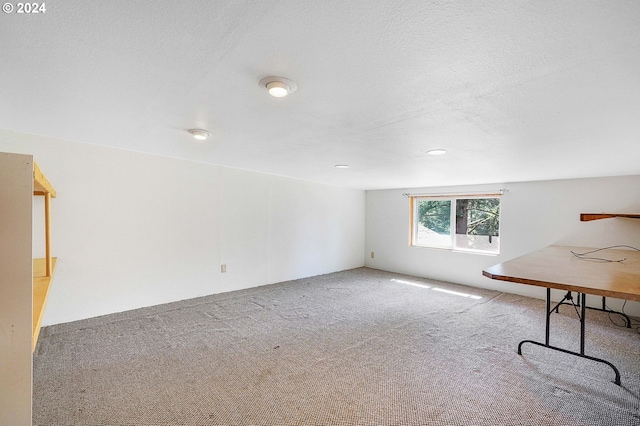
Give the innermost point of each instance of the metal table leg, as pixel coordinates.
(581, 300)
(604, 308)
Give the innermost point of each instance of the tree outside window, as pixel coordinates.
(476, 223)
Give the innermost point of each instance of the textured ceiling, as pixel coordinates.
(514, 90)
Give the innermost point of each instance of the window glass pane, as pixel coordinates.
(478, 224)
(433, 223)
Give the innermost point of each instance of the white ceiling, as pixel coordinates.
(514, 90)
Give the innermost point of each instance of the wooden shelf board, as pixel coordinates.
(585, 217)
(41, 285)
(41, 184)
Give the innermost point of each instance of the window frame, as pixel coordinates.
(453, 199)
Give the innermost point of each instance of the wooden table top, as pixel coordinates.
(556, 267)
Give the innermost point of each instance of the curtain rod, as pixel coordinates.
(489, 193)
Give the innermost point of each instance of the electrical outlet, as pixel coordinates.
(373, 254)
(223, 268)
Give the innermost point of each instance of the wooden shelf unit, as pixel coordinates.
(41, 285)
(42, 268)
(24, 282)
(585, 217)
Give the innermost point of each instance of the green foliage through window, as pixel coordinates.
(478, 216)
(435, 215)
(469, 223)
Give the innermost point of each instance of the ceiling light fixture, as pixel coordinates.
(278, 87)
(437, 152)
(199, 134)
(341, 166)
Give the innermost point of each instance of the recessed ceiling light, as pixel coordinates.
(278, 87)
(437, 152)
(199, 134)
(341, 166)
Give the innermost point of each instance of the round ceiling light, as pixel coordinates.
(199, 134)
(341, 166)
(278, 87)
(437, 152)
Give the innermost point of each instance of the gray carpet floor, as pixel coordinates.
(359, 347)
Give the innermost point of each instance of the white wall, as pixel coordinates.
(133, 230)
(533, 215)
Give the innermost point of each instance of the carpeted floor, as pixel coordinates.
(359, 347)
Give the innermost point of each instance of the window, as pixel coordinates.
(467, 223)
